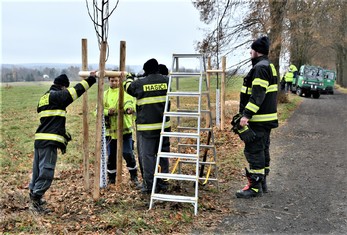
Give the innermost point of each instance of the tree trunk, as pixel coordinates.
(277, 10)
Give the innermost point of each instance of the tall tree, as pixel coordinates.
(240, 22)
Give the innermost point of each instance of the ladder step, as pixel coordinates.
(195, 145)
(180, 134)
(176, 176)
(174, 198)
(200, 162)
(184, 74)
(182, 114)
(188, 128)
(195, 55)
(192, 111)
(178, 155)
(184, 93)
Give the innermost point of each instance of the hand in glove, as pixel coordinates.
(246, 134)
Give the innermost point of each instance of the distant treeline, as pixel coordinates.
(19, 73)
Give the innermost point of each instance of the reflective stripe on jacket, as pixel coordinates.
(150, 93)
(52, 112)
(111, 101)
(258, 97)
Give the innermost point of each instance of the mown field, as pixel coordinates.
(119, 210)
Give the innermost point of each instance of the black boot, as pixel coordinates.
(41, 201)
(254, 190)
(264, 184)
(134, 179)
(37, 206)
(248, 176)
(111, 178)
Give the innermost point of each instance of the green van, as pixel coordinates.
(329, 81)
(309, 81)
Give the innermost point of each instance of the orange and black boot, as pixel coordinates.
(254, 189)
(248, 176)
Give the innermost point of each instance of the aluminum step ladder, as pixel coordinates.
(191, 125)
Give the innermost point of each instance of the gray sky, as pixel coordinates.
(51, 31)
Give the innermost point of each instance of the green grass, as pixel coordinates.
(116, 211)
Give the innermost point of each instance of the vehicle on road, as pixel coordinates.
(309, 81)
(329, 82)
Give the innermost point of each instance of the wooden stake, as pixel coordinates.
(100, 110)
(120, 116)
(208, 78)
(85, 120)
(222, 101)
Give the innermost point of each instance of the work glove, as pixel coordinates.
(130, 76)
(245, 133)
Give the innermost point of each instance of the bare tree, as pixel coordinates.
(239, 23)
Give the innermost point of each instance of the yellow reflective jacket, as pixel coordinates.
(111, 97)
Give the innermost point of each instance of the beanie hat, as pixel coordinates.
(62, 80)
(261, 45)
(163, 69)
(151, 66)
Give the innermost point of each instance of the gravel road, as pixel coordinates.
(308, 178)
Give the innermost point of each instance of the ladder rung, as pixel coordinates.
(176, 176)
(174, 198)
(185, 74)
(178, 155)
(189, 128)
(184, 93)
(180, 134)
(200, 162)
(192, 111)
(178, 55)
(195, 145)
(182, 114)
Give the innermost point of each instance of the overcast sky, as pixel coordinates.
(51, 31)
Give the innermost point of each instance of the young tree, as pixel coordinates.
(100, 16)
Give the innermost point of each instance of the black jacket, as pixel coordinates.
(52, 111)
(150, 93)
(258, 97)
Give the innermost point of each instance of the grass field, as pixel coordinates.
(119, 210)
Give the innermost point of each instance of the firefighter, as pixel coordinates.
(51, 135)
(258, 110)
(111, 96)
(289, 76)
(150, 92)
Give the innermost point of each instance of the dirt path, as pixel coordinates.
(308, 180)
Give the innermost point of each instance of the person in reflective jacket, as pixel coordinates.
(150, 92)
(258, 108)
(51, 135)
(111, 96)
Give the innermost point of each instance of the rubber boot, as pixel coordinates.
(254, 190)
(264, 184)
(248, 176)
(37, 206)
(111, 178)
(134, 179)
(41, 200)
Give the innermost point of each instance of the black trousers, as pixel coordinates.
(44, 163)
(148, 149)
(257, 152)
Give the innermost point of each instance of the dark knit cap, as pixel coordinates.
(163, 69)
(151, 66)
(62, 80)
(261, 45)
